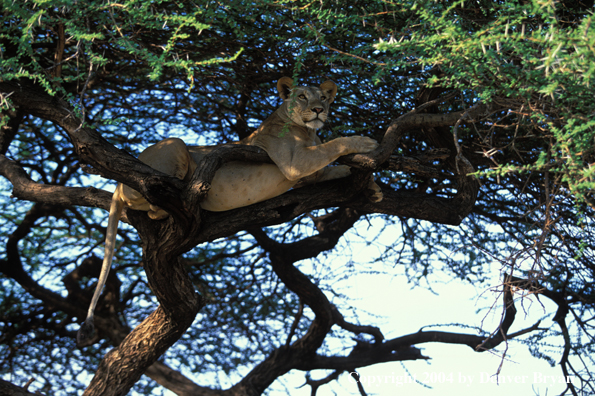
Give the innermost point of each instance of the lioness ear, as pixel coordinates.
(284, 86)
(330, 89)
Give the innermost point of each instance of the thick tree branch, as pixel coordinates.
(402, 125)
(501, 334)
(362, 355)
(160, 189)
(176, 382)
(25, 188)
(338, 193)
(163, 242)
(284, 359)
(164, 191)
(123, 366)
(282, 257)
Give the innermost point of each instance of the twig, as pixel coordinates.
(26, 387)
(3, 97)
(315, 384)
(82, 97)
(354, 56)
(433, 102)
(294, 325)
(455, 131)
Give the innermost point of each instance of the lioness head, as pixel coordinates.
(307, 106)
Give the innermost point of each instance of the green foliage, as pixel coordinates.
(526, 56)
(93, 27)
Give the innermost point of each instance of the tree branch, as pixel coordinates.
(356, 329)
(315, 384)
(534, 286)
(165, 191)
(8, 389)
(176, 382)
(25, 188)
(159, 189)
(500, 334)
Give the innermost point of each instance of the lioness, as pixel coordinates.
(289, 138)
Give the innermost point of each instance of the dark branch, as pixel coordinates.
(8, 389)
(501, 333)
(357, 329)
(25, 188)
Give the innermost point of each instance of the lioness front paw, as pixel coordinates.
(337, 172)
(363, 144)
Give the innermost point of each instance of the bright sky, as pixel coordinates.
(452, 368)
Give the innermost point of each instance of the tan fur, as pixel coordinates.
(289, 138)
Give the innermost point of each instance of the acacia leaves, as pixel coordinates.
(521, 58)
(61, 41)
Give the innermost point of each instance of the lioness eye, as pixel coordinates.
(323, 98)
(302, 96)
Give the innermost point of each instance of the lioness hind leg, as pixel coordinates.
(169, 156)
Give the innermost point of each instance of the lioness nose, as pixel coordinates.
(317, 110)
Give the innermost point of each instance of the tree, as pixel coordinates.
(484, 111)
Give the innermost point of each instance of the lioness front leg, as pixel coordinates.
(297, 161)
